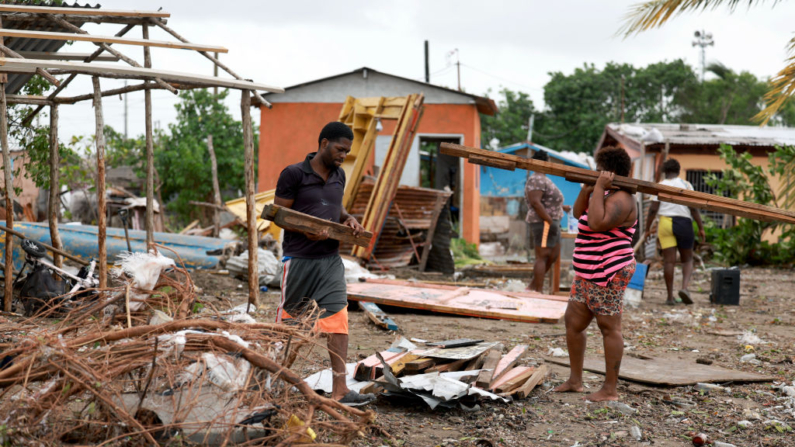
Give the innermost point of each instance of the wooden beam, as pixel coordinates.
(507, 362)
(101, 209)
(292, 220)
(538, 376)
(216, 188)
(49, 35)
(378, 316)
(39, 71)
(251, 212)
(484, 378)
(419, 364)
(399, 365)
(45, 55)
(54, 204)
(665, 193)
(114, 71)
(512, 379)
(149, 219)
(8, 291)
(437, 211)
(28, 99)
(112, 92)
(81, 11)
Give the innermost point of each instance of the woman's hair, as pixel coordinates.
(540, 155)
(671, 166)
(614, 159)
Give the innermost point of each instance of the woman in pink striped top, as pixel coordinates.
(604, 263)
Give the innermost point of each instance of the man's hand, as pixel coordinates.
(322, 236)
(566, 208)
(353, 223)
(701, 235)
(605, 180)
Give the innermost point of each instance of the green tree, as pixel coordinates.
(182, 159)
(510, 125)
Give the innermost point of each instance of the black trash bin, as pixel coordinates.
(725, 287)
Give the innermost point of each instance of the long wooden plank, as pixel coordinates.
(30, 65)
(82, 11)
(62, 56)
(716, 203)
(492, 359)
(668, 372)
(428, 285)
(292, 220)
(512, 379)
(51, 35)
(538, 376)
(507, 362)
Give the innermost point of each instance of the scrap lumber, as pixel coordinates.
(507, 362)
(426, 250)
(8, 185)
(419, 364)
(292, 220)
(49, 35)
(388, 179)
(663, 192)
(538, 376)
(512, 379)
(400, 364)
(476, 363)
(378, 316)
(447, 367)
(491, 361)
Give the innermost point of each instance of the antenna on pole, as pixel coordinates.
(125, 112)
(457, 64)
(703, 40)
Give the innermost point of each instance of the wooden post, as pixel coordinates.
(101, 215)
(54, 204)
(9, 258)
(251, 214)
(216, 188)
(150, 155)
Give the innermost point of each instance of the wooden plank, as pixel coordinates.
(292, 220)
(251, 214)
(378, 316)
(538, 376)
(427, 285)
(437, 211)
(507, 362)
(494, 163)
(82, 11)
(713, 202)
(398, 366)
(419, 364)
(492, 359)
(452, 366)
(54, 204)
(9, 188)
(64, 56)
(101, 197)
(50, 35)
(512, 379)
(668, 372)
(105, 70)
(476, 363)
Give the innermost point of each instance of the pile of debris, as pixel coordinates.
(159, 368)
(443, 374)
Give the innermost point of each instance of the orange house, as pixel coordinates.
(289, 131)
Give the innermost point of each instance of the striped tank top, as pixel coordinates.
(599, 255)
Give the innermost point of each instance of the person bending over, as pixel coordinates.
(604, 262)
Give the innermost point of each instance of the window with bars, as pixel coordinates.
(698, 178)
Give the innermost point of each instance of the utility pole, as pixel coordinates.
(427, 65)
(703, 40)
(125, 112)
(457, 64)
(530, 123)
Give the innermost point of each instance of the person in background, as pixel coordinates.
(675, 232)
(544, 210)
(604, 263)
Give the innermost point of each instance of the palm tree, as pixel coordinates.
(654, 13)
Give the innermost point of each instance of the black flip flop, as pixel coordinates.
(685, 296)
(354, 399)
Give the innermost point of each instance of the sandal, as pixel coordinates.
(354, 399)
(685, 296)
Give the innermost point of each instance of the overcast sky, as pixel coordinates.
(512, 44)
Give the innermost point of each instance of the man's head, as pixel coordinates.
(334, 143)
(613, 159)
(671, 168)
(540, 155)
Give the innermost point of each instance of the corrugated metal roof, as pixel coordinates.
(705, 134)
(18, 80)
(565, 158)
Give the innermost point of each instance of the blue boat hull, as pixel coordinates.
(81, 241)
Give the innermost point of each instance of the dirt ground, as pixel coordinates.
(666, 416)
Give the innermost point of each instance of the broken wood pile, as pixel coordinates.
(403, 237)
(448, 374)
(665, 193)
(164, 374)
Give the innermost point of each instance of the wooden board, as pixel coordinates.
(524, 307)
(670, 372)
(48, 35)
(538, 376)
(453, 366)
(378, 316)
(507, 362)
(419, 364)
(688, 197)
(512, 379)
(484, 378)
(30, 65)
(292, 220)
(82, 11)
(399, 365)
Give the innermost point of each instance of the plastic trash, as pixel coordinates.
(722, 444)
(745, 424)
(707, 387)
(747, 358)
(572, 222)
(145, 270)
(263, 288)
(701, 439)
(622, 407)
(557, 352)
(636, 433)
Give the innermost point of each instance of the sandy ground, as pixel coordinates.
(666, 416)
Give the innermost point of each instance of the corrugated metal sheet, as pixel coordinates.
(17, 81)
(705, 134)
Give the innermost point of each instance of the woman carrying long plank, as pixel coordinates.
(604, 262)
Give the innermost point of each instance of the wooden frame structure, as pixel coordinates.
(51, 64)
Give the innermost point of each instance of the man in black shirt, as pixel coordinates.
(313, 269)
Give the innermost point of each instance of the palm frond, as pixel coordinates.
(782, 86)
(719, 69)
(654, 13)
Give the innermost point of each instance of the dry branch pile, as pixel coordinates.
(102, 376)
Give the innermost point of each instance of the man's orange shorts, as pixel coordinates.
(335, 324)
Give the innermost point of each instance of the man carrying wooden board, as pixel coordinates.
(313, 269)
